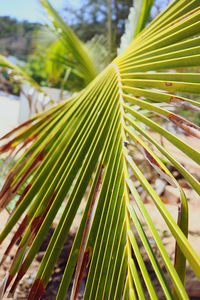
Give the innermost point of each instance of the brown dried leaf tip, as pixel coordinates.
(168, 83)
(189, 127)
(37, 290)
(36, 223)
(17, 235)
(34, 164)
(155, 164)
(86, 259)
(15, 129)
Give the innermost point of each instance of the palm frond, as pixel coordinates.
(72, 44)
(20, 76)
(64, 51)
(84, 143)
(23, 76)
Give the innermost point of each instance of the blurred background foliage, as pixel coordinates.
(42, 55)
(37, 45)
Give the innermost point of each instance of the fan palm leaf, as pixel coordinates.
(78, 54)
(85, 142)
(65, 51)
(21, 75)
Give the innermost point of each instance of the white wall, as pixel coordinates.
(38, 101)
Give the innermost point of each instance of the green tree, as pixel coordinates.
(16, 37)
(92, 16)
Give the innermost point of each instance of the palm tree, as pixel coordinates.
(91, 141)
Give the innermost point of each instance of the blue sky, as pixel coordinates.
(30, 9)
(33, 11)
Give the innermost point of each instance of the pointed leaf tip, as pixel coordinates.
(84, 266)
(187, 126)
(17, 235)
(3, 285)
(37, 290)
